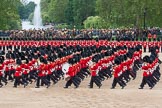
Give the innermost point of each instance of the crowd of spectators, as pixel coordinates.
(128, 34)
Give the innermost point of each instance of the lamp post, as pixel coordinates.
(144, 21)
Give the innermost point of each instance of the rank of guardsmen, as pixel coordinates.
(45, 63)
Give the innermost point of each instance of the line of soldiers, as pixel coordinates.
(43, 63)
(126, 66)
(151, 70)
(10, 44)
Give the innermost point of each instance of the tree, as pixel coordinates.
(9, 17)
(116, 13)
(57, 10)
(83, 9)
(130, 13)
(72, 12)
(69, 13)
(26, 9)
(45, 7)
(95, 22)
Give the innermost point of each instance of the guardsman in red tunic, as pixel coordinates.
(125, 73)
(6, 69)
(40, 75)
(25, 72)
(146, 73)
(70, 74)
(17, 75)
(50, 71)
(94, 73)
(84, 68)
(1, 75)
(117, 70)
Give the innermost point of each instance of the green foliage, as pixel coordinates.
(130, 13)
(62, 26)
(57, 10)
(116, 13)
(9, 17)
(44, 10)
(94, 22)
(26, 9)
(71, 12)
(83, 9)
(30, 18)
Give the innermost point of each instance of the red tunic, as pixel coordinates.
(1, 68)
(18, 71)
(145, 70)
(94, 70)
(71, 71)
(117, 69)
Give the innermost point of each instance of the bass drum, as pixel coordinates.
(65, 67)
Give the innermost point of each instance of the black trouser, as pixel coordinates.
(105, 73)
(4, 48)
(74, 80)
(26, 76)
(92, 81)
(144, 49)
(51, 77)
(44, 81)
(58, 74)
(24, 79)
(133, 74)
(127, 73)
(109, 72)
(17, 81)
(11, 74)
(100, 74)
(125, 76)
(156, 75)
(54, 77)
(115, 81)
(48, 78)
(8, 74)
(81, 75)
(146, 80)
(68, 83)
(96, 80)
(152, 80)
(85, 71)
(33, 74)
(121, 80)
(1, 80)
(38, 81)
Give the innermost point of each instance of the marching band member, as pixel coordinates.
(94, 73)
(146, 73)
(117, 72)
